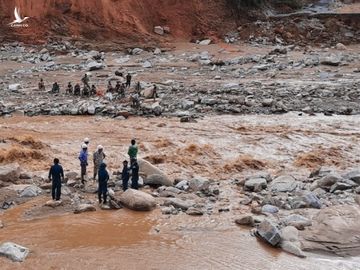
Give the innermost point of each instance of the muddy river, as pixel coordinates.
(212, 147)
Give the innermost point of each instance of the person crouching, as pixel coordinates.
(103, 180)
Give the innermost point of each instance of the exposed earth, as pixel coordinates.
(248, 153)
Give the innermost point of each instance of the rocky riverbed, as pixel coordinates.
(193, 80)
(293, 177)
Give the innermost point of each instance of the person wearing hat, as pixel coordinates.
(103, 180)
(87, 141)
(98, 158)
(83, 157)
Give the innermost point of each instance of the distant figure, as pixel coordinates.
(55, 88)
(98, 158)
(138, 87)
(86, 80)
(128, 80)
(86, 91)
(69, 89)
(93, 91)
(133, 150)
(83, 157)
(56, 174)
(110, 88)
(41, 85)
(155, 92)
(77, 90)
(125, 175)
(103, 180)
(134, 174)
(135, 100)
(117, 87)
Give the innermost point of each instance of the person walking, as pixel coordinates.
(134, 174)
(133, 150)
(103, 180)
(83, 157)
(125, 175)
(56, 174)
(128, 80)
(98, 158)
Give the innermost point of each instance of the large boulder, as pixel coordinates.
(334, 229)
(9, 172)
(31, 191)
(137, 200)
(157, 180)
(13, 251)
(146, 169)
(284, 183)
(298, 221)
(269, 232)
(329, 180)
(354, 176)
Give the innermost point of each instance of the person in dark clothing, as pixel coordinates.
(134, 174)
(77, 90)
(56, 174)
(69, 89)
(125, 175)
(55, 88)
(103, 180)
(128, 80)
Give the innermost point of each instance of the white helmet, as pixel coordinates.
(100, 147)
(86, 140)
(84, 146)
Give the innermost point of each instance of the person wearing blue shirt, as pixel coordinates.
(83, 157)
(56, 174)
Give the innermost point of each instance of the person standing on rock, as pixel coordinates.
(77, 90)
(56, 174)
(134, 174)
(133, 150)
(83, 157)
(125, 175)
(85, 81)
(69, 89)
(98, 158)
(55, 88)
(128, 80)
(103, 180)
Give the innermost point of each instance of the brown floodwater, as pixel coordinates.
(213, 147)
(131, 240)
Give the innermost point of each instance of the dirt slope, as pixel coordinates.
(121, 20)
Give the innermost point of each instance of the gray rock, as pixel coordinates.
(9, 172)
(255, 184)
(137, 200)
(53, 204)
(159, 30)
(13, 251)
(297, 221)
(354, 176)
(136, 51)
(246, 220)
(284, 183)
(312, 200)
(290, 241)
(332, 60)
(205, 42)
(178, 203)
(147, 64)
(269, 232)
(340, 186)
(84, 208)
(183, 185)
(14, 87)
(31, 191)
(328, 180)
(267, 208)
(199, 184)
(93, 65)
(194, 211)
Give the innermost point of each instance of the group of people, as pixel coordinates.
(56, 172)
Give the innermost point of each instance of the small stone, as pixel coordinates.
(13, 251)
(192, 211)
(159, 30)
(84, 208)
(53, 203)
(246, 220)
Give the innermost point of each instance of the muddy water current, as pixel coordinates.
(129, 240)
